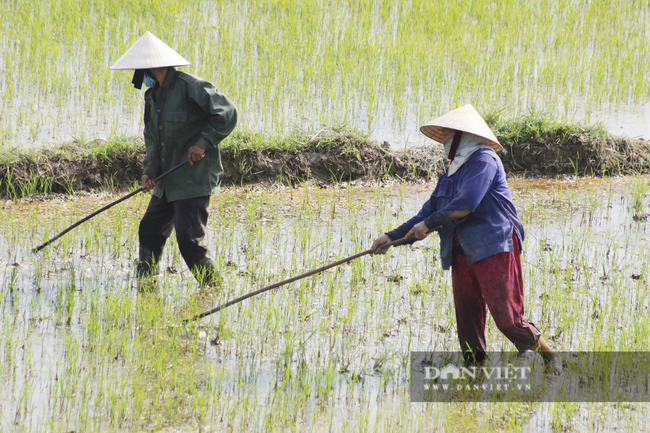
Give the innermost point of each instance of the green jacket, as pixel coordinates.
(183, 112)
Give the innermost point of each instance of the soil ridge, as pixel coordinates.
(345, 159)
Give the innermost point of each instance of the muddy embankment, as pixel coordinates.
(346, 159)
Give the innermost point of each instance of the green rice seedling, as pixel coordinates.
(370, 64)
(328, 353)
(639, 192)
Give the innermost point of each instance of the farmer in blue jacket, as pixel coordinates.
(480, 236)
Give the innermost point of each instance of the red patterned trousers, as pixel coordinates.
(495, 282)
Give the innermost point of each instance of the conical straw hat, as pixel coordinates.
(465, 119)
(149, 52)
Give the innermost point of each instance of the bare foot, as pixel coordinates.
(552, 365)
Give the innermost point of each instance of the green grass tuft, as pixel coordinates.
(538, 127)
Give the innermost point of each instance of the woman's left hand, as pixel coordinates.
(419, 231)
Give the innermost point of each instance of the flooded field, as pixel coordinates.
(382, 67)
(81, 350)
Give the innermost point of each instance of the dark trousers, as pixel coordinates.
(495, 282)
(189, 217)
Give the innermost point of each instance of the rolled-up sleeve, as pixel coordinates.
(222, 111)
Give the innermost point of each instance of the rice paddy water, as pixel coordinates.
(81, 350)
(383, 67)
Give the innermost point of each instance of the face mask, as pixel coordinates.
(149, 81)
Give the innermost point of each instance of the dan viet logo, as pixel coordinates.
(513, 377)
(497, 378)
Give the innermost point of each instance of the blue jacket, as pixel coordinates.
(479, 187)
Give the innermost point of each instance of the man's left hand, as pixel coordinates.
(419, 231)
(196, 154)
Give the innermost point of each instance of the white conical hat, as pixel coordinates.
(465, 119)
(149, 52)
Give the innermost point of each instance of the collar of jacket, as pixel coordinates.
(169, 78)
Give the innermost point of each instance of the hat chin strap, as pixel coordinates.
(454, 145)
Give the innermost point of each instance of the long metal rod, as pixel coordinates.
(110, 205)
(290, 280)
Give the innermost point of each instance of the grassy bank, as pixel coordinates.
(326, 157)
(539, 145)
(535, 146)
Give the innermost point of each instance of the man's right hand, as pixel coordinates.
(379, 245)
(147, 183)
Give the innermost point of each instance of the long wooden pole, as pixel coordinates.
(110, 205)
(290, 280)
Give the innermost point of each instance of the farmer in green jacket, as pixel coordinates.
(184, 116)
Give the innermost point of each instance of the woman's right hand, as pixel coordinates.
(147, 183)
